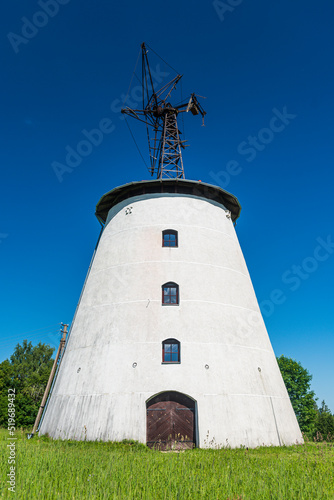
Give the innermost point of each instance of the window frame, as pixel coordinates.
(171, 341)
(170, 232)
(170, 284)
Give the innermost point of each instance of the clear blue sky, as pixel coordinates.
(254, 62)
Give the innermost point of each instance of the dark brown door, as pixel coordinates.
(170, 425)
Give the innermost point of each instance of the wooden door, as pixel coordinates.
(170, 425)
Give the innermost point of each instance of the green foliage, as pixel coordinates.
(27, 372)
(324, 425)
(297, 381)
(55, 469)
(5, 383)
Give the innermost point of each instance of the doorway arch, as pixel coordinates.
(171, 421)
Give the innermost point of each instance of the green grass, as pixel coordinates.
(50, 469)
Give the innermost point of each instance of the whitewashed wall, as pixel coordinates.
(241, 398)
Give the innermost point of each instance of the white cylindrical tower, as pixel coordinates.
(168, 342)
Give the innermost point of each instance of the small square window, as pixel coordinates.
(171, 351)
(170, 293)
(169, 238)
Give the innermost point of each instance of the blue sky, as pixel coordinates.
(266, 70)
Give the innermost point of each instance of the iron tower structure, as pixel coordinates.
(160, 117)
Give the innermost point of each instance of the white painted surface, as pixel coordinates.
(120, 321)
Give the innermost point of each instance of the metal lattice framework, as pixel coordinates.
(160, 117)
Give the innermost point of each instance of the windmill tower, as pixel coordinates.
(168, 345)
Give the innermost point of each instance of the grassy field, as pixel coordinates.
(49, 469)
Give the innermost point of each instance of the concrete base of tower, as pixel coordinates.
(219, 420)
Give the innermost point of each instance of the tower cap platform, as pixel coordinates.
(179, 186)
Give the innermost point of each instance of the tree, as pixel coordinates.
(27, 372)
(324, 425)
(297, 381)
(5, 384)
